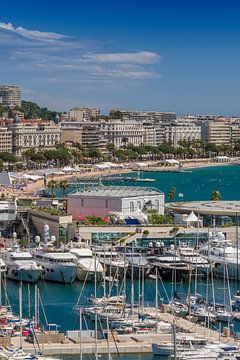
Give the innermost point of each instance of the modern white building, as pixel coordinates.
(180, 130)
(105, 200)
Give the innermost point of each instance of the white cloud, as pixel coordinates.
(140, 57)
(32, 34)
(37, 59)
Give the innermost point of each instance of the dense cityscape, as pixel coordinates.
(122, 134)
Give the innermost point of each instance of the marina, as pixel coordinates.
(126, 296)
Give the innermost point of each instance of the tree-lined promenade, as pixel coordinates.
(77, 154)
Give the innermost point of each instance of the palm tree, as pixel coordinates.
(172, 193)
(125, 140)
(52, 185)
(215, 196)
(63, 184)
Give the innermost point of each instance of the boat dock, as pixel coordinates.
(124, 344)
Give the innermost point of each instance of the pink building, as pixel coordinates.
(104, 200)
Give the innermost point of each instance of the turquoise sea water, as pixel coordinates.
(195, 185)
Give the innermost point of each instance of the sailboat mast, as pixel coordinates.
(80, 332)
(0, 288)
(196, 264)
(132, 288)
(237, 239)
(156, 299)
(20, 312)
(95, 296)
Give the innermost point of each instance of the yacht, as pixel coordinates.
(169, 264)
(113, 263)
(190, 256)
(137, 263)
(3, 267)
(87, 265)
(224, 257)
(183, 342)
(57, 266)
(20, 265)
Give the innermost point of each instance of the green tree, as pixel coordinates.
(63, 185)
(1, 165)
(52, 185)
(215, 196)
(172, 193)
(125, 140)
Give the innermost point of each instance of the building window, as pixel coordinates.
(157, 205)
(82, 202)
(131, 206)
(139, 205)
(106, 204)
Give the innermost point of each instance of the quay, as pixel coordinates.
(127, 343)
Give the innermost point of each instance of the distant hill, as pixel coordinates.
(31, 110)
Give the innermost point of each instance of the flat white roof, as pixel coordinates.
(221, 208)
(117, 191)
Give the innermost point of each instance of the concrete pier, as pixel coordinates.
(130, 343)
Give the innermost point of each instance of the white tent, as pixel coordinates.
(192, 218)
(222, 158)
(171, 162)
(102, 166)
(67, 169)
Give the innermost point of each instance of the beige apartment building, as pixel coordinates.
(83, 114)
(216, 132)
(71, 135)
(5, 140)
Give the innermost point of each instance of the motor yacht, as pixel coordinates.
(87, 264)
(57, 266)
(20, 265)
(113, 263)
(224, 258)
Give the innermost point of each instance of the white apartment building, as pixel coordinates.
(32, 134)
(83, 114)
(149, 134)
(149, 116)
(122, 132)
(10, 95)
(182, 130)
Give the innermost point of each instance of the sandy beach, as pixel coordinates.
(31, 186)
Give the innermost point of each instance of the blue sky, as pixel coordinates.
(181, 56)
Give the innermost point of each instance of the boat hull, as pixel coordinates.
(84, 275)
(60, 273)
(26, 275)
(162, 350)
